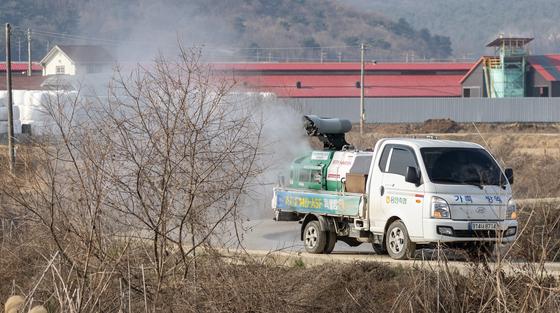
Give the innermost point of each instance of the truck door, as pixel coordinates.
(401, 198)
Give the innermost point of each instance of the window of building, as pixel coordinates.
(540, 91)
(60, 69)
(466, 92)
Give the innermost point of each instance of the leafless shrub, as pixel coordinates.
(539, 240)
(480, 287)
(129, 185)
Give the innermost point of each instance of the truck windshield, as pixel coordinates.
(461, 166)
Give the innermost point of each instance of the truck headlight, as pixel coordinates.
(440, 208)
(511, 211)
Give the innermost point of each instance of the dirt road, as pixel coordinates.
(279, 241)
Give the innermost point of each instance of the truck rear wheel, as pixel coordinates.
(314, 240)
(398, 243)
(331, 242)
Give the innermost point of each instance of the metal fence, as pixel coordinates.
(417, 110)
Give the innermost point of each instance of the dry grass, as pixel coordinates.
(223, 284)
(31, 266)
(539, 239)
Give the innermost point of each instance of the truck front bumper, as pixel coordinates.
(441, 230)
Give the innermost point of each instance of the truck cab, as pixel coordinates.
(424, 191)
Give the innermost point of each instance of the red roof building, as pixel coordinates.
(548, 66)
(386, 80)
(342, 80)
(23, 82)
(21, 68)
(20, 80)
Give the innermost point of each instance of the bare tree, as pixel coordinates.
(139, 179)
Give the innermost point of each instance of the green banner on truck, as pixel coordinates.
(312, 202)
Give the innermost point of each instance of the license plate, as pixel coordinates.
(483, 226)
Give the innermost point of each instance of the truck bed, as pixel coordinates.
(319, 202)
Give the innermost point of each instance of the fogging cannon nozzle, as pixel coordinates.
(329, 130)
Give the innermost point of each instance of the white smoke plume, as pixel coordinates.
(283, 139)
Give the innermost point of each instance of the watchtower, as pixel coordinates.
(504, 73)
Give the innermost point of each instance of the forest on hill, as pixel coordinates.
(237, 29)
(473, 24)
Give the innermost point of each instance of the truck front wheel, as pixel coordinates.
(314, 240)
(398, 243)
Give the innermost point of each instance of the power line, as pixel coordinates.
(117, 41)
(51, 34)
(214, 51)
(297, 48)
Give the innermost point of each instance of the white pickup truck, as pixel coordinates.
(416, 193)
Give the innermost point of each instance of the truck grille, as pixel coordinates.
(476, 233)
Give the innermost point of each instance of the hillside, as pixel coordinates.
(472, 24)
(241, 29)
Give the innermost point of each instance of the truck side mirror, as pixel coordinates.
(509, 175)
(412, 176)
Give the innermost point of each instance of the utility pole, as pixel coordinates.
(19, 47)
(12, 155)
(29, 65)
(362, 70)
